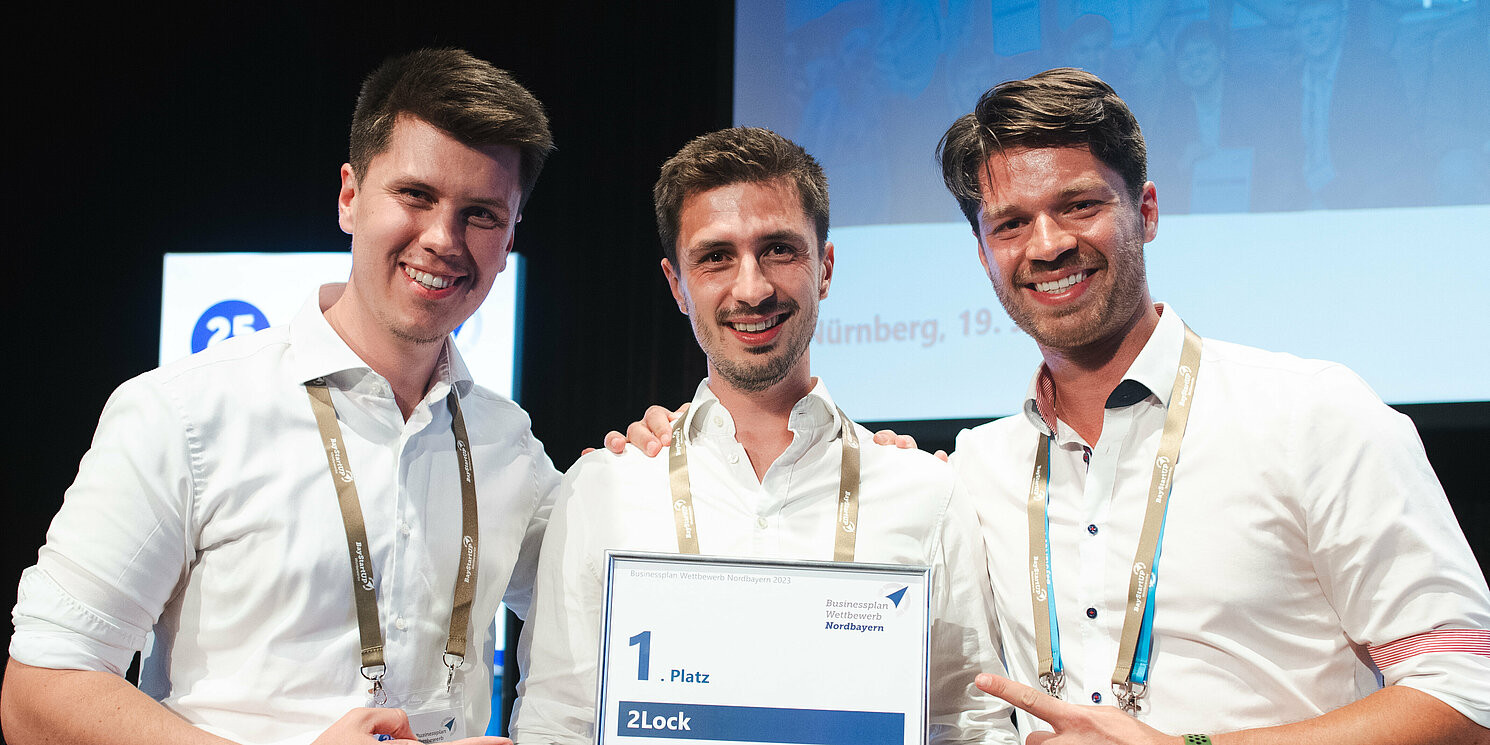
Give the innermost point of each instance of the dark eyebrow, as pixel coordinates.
(708, 246)
(412, 183)
(784, 236)
(998, 212)
(1085, 186)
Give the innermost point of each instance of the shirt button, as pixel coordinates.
(1096, 698)
(718, 421)
(1091, 529)
(761, 522)
(400, 624)
(1091, 612)
(403, 528)
(733, 459)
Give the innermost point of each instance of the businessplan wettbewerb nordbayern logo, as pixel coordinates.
(864, 615)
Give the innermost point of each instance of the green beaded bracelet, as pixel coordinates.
(1197, 740)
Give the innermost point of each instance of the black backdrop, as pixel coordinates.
(138, 131)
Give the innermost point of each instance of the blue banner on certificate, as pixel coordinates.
(709, 650)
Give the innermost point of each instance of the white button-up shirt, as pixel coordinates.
(1306, 535)
(204, 528)
(911, 511)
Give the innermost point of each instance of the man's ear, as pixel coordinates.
(827, 279)
(675, 284)
(346, 199)
(1148, 207)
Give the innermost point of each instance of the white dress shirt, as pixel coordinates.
(204, 528)
(911, 512)
(1306, 537)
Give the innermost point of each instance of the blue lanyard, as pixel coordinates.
(1130, 676)
(1140, 672)
(1042, 579)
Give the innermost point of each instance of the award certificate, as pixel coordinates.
(705, 649)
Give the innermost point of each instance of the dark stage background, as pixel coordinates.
(148, 129)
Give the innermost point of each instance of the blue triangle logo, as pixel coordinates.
(895, 597)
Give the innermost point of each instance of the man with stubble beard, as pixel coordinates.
(743, 218)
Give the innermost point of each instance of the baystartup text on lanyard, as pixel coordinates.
(1130, 676)
(848, 492)
(373, 667)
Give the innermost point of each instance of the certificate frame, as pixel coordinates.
(810, 651)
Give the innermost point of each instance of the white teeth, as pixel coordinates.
(1061, 284)
(751, 328)
(428, 280)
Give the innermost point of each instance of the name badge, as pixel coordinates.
(440, 725)
(435, 715)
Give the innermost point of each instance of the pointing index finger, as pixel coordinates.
(1025, 698)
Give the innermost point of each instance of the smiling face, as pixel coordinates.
(1062, 241)
(431, 221)
(750, 277)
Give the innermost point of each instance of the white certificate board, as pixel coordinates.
(705, 649)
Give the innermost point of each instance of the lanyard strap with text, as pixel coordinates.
(848, 492)
(1130, 676)
(363, 591)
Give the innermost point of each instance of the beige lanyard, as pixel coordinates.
(848, 492)
(357, 546)
(1129, 680)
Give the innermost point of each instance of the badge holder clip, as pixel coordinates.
(453, 662)
(1053, 683)
(375, 674)
(1129, 695)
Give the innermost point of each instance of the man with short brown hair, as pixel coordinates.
(743, 217)
(1308, 553)
(216, 522)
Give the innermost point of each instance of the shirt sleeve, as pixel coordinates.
(963, 628)
(119, 546)
(545, 485)
(1391, 557)
(557, 649)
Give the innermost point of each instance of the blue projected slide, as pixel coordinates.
(1322, 168)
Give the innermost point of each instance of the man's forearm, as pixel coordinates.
(41, 705)
(1395, 715)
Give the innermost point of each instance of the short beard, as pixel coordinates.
(1126, 292)
(756, 378)
(412, 336)
(403, 335)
